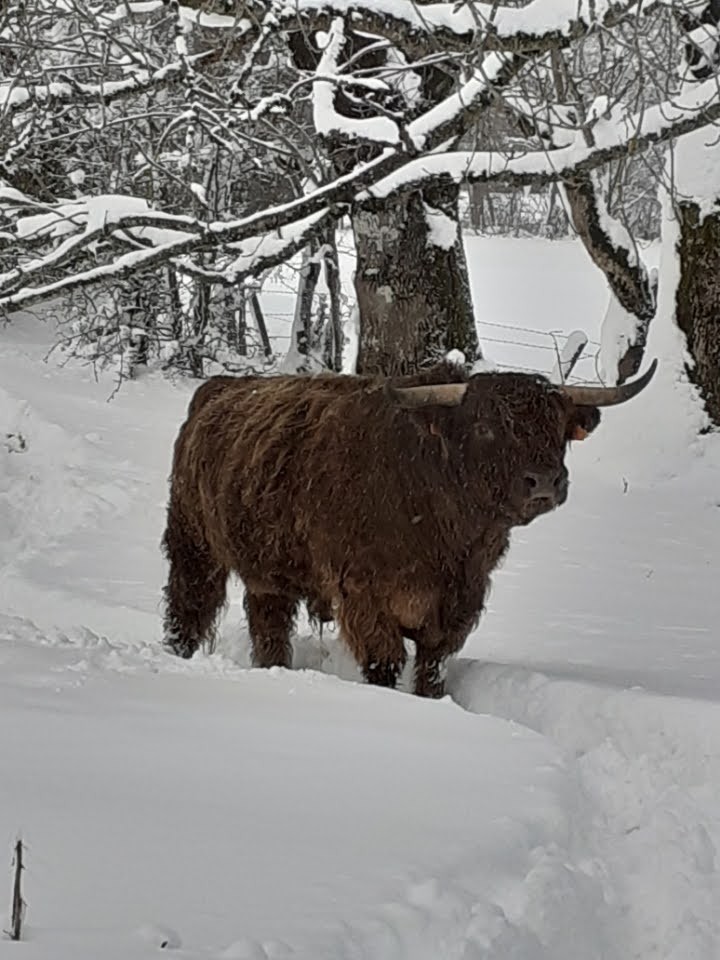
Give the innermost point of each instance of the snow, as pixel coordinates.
(95, 213)
(271, 244)
(562, 805)
(614, 229)
(612, 133)
(405, 80)
(535, 18)
(14, 97)
(134, 6)
(442, 229)
(323, 835)
(657, 123)
(619, 330)
(288, 219)
(326, 119)
(199, 191)
(239, 25)
(452, 107)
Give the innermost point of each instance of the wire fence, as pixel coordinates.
(547, 342)
(515, 345)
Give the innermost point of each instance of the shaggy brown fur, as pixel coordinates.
(390, 520)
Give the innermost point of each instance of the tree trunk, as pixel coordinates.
(299, 356)
(411, 282)
(624, 269)
(413, 293)
(697, 300)
(332, 279)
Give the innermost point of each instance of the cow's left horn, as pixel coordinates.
(608, 396)
(442, 394)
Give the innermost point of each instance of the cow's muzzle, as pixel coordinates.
(549, 486)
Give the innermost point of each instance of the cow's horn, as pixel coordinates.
(442, 394)
(608, 396)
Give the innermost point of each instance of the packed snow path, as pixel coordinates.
(564, 807)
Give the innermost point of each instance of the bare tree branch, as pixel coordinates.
(419, 29)
(257, 254)
(19, 97)
(391, 171)
(659, 124)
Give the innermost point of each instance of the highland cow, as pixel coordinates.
(384, 505)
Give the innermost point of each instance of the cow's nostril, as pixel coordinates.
(544, 484)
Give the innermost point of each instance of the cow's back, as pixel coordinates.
(299, 482)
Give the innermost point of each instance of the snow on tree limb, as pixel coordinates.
(382, 176)
(15, 97)
(253, 255)
(453, 116)
(398, 167)
(211, 236)
(85, 223)
(421, 29)
(658, 124)
(327, 120)
(610, 246)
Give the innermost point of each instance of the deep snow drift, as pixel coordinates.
(564, 807)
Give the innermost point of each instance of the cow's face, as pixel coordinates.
(539, 480)
(522, 428)
(511, 430)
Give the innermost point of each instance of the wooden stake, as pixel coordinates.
(18, 904)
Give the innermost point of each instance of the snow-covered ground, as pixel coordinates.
(562, 806)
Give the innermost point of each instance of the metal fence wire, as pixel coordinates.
(549, 343)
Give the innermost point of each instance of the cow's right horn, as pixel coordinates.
(442, 394)
(608, 396)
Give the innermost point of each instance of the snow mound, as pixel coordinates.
(48, 486)
(418, 829)
(651, 764)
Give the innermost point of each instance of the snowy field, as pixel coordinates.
(561, 805)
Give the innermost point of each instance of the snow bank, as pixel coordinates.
(652, 765)
(236, 814)
(45, 481)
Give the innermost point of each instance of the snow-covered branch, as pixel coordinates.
(251, 256)
(422, 29)
(377, 129)
(658, 124)
(387, 173)
(610, 247)
(15, 97)
(84, 224)
(454, 115)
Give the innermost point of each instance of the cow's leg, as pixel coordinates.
(270, 621)
(434, 647)
(195, 591)
(374, 639)
(430, 671)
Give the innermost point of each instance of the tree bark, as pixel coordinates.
(413, 294)
(627, 277)
(697, 300)
(332, 279)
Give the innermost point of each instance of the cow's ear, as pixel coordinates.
(581, 422)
